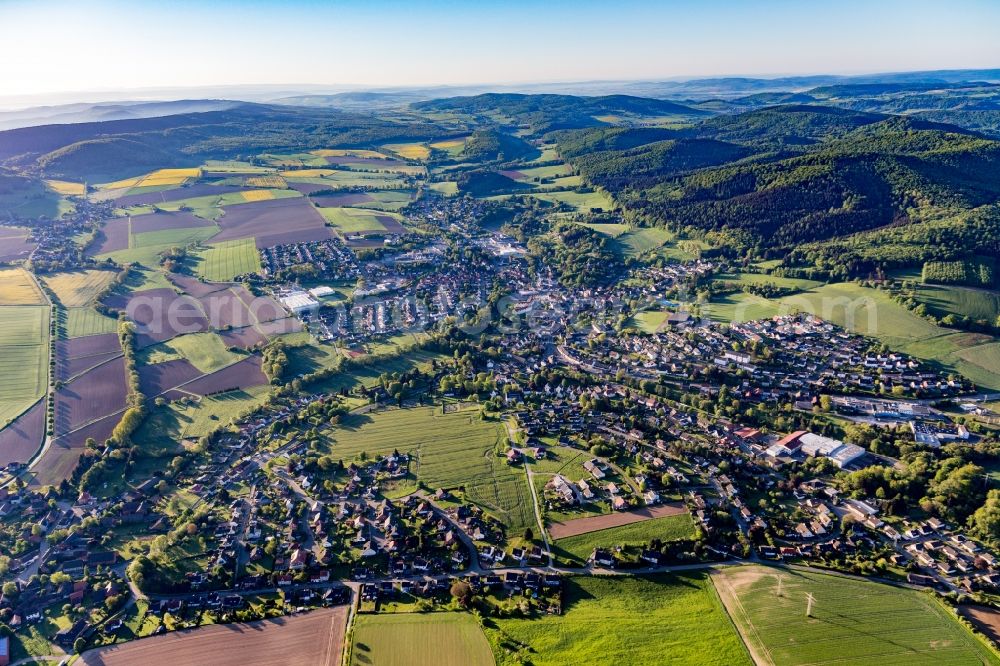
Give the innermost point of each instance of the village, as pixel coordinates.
(756, 438)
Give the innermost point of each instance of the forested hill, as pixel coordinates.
(783, 176)
(545, 113)
(122, 147)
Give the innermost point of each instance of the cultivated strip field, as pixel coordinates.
(223, 261)
(21, 439)
(852, 621)
(14, 243)
(310, 639)
(24, 349)
(560, 530)
(419, 639)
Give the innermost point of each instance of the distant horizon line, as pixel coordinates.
(8, 102)
(677, 78)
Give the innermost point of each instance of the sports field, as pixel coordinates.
(452, 450)
(17, 287)
(79, 288)
(636, 535)
(648, 321)
(221, 262)
(851, 621)
(639, 621)
(24, 350)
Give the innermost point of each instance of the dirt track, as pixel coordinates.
(310, 639)
(595, 523)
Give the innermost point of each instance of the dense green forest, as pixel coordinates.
(547, 113)
(781, 177)
(489, 144)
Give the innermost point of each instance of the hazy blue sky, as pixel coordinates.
(104, 44)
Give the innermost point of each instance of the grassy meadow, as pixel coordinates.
(635, 535)
(419, 639)
(640, 621)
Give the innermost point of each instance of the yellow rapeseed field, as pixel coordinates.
(66, 188)
(159, 177)
(258, 195)
(411, 151)
(448, 144)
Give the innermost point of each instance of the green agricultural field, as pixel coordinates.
(740, 306)
(80, 322)
(221, 262)
(758, 278)
(552, 171)
(146, 247)
(452, 450)
(639, 621)
(209, 207)
(561, 182)
(205, 351)
(641, 240)
(580, 201)
(852, 621)
(391, 200)
(419, 639)
(340, 179)
(583, 201)
(636, 535)
(961, 301)
(610, 230)
(171, 237)
(448, 188)
(24, 357)
(353, 220)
